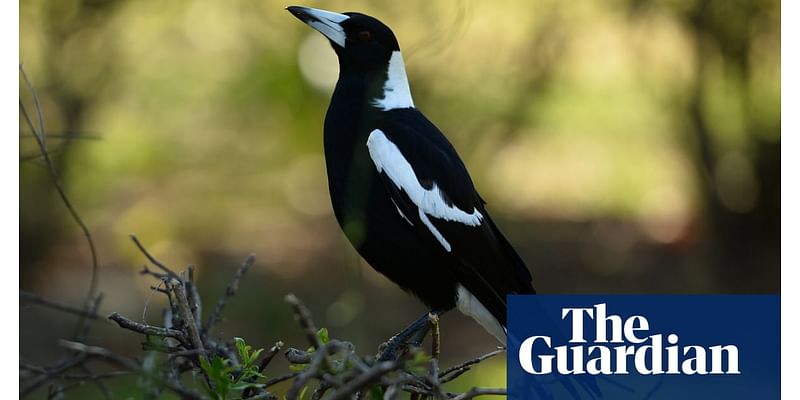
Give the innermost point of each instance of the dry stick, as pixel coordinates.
(179, 291)
(194, 296)
(57, 305)
(318, 361)
(271, 353)
(233, 286)
(297, 356)
(279, 379)
(125, 363)
(474, 392)
(152, 259)
(146, 329)
(56, 370)
(303, 317)
(262, 365)
(463, 367)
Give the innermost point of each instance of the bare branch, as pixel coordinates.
(465, 366)
(233, 286)
(179, 291)
(152, 259)
(41, 141)
(269, 356)
(57, 305)
(144, 328)
(474, 392)
(126, 363)
(303, 317)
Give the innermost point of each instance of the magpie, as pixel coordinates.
(399, 190)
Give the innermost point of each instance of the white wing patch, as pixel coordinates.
(388, 158)
(438, 235)
(396, 91)
(472, 307)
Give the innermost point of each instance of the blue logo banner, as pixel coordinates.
(644, 347)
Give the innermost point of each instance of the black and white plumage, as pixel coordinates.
(399, 190)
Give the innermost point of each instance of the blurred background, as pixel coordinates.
(626, 146)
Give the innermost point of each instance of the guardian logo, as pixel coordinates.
(610, 354)
(636, 347)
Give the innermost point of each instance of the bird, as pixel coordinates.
(399, 190)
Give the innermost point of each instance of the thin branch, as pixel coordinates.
(127, 364)
(40, 137)
(146, 329)
(465, 366)
(474, 392)
(279, 379)
(297, 356)
(233, 286)
(57, 305)
(303, 317)
(269, 356)
(152, 259)
(179, 291)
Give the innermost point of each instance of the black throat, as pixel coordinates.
(350, 119)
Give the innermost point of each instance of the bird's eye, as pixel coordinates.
(365, 36)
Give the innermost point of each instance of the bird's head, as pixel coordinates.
(362, 43)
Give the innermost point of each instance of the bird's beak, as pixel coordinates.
(326, 22)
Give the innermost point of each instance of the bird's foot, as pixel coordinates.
(410, 337)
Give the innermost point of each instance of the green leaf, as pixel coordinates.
(219, 372)
(376, 393)
(322, 335)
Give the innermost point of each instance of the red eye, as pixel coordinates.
(365, 36)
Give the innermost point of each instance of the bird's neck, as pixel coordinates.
(395, 91)
(359, 105)
(383, 89)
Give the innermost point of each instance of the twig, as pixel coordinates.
(179, 291)
(303, 317)
(146, 329)
(474, 392)
(318, 361)
(465, 366)
(279, 379)
(233, 285)
(57, 305)
(297, 356)
(50, 372)
(194, 296)
(152, 259)
(271, 353)
(128, 364)
(41, 141)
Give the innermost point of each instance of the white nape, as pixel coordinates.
(396, 91)
(387, 158)
(472, 307)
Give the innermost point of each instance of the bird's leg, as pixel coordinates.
(416, 330)
(423, 331)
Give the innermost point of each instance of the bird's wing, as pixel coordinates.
(432, 189)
